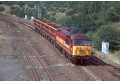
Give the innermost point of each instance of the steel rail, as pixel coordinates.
(28, 59)
(27, 56)
(105, 68)
(37, 56)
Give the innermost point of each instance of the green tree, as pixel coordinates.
(109, 33)
(65, 21)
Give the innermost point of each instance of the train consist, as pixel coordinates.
(71, 43)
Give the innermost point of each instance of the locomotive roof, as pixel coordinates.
(50, 23)
(79, 36)
(72, 34)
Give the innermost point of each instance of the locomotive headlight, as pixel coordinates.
(82, 47)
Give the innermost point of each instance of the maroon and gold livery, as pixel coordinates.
(75, 43)
(68, 41)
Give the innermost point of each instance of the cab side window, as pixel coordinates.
(71, 42)
(67, 41)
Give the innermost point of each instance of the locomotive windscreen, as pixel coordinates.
(82, 42)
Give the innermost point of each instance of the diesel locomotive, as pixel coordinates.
(71, 43)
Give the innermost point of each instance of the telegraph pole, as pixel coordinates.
(39, 12)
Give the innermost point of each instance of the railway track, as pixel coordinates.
(108, 67)
(28, 60)
(28, 57)
(95, 77)
(39, 59)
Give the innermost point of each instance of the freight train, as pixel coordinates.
(71, 43)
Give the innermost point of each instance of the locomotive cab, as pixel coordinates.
(81, 46)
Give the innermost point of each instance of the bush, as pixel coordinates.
(52, 19)
(62, 10)
(2, 8)
(70, 13)
(18, 12)
(65, 21)
(84, 22)
(12, 7)
(45, 16)
(109, 33)
(112, 16)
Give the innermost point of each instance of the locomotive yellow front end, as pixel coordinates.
(82, 48)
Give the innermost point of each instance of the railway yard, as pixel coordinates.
(25, 55)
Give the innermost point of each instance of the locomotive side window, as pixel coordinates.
(58, 30)
(67, 41)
